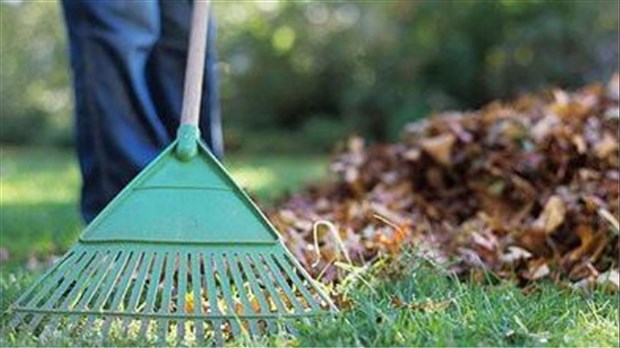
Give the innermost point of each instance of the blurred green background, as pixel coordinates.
(298, 76)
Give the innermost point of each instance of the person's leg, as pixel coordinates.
(118, 130)
(128, 59)
(166, 71)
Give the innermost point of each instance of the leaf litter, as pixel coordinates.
(526, 189)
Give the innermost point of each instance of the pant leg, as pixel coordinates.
(118, 130)
(128, 59)
(210, 120)
(166, 71)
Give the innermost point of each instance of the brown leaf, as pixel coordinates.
(514, 254)
(580, 144)
(592, 244)
(607, 216)
(544, 127)
(397, 302)
(552, 215)
(537, 269)
(611, 278)
(439, 147)
(606, 146)
(412, 154)
(395, 242)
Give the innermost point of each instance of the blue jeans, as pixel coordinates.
(128, 60)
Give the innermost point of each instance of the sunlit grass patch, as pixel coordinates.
(268, 177)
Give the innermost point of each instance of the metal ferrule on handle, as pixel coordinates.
(188, 132)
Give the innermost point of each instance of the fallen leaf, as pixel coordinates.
(189, 303)
(439, 147)
(552, 215)
(537, 269)
(580, 144)
(611, 278)
(592, 244)
(397, 302)
(606, 146)
(544, 127)
(605, 214)
(514, 254)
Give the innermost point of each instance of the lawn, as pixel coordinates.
(405, 301)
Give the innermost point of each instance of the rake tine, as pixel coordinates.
(181, 294)
(106, 289)
(297, 281)
(284, 285)
(137, 290)
(310, 281)
(152, 292)
(80, 287)
(265, 309)
(297, 305)
(245, 298)
(210, 285)
(269, 284)
(166, 295)
(196, 284)
(228, 297)
(267, 281)
(63, 263)
(119, 294)
(92, 287)
(56, 274)
(64, 286)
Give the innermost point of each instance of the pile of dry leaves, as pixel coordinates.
(527, 189)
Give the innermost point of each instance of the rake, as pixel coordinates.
(180, 254)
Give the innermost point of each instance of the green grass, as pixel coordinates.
(440, 310)
(39, 218)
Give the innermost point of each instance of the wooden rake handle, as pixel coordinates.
(188, 134)
(194, 71)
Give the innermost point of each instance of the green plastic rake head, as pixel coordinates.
(180, 254)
